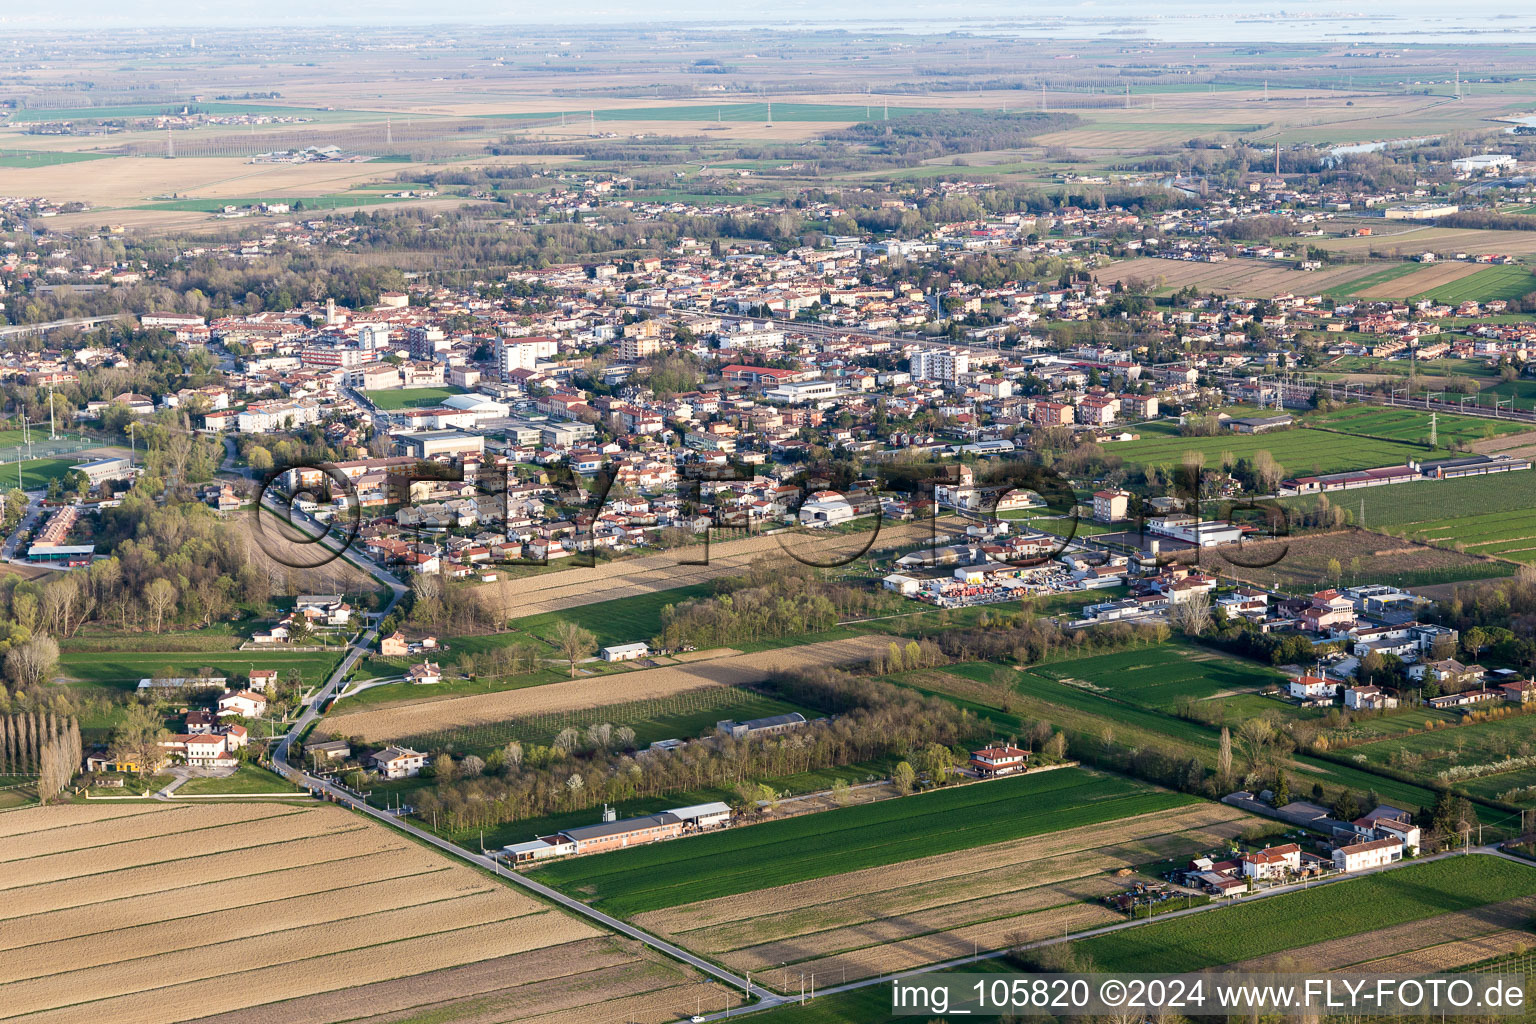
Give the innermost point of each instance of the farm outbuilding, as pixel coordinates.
(624, 652)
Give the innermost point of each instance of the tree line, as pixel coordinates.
(41, 744)
(869, 719)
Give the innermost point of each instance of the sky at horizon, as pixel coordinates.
(1496, 19)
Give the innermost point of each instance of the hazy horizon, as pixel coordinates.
(1406, 19)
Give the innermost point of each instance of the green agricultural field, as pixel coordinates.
(1412, 426)
(123, 670)
(1504, 282)
(1332, 911)
(412, 398)
(1523, 391)
(626, 620)
(1084, 715)
(1488, 515)
(1360, 284)
(848, 839)
(1299, 451)
(43, 158)
(680, 716)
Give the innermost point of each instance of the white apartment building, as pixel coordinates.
(939, 364)
(523, 353)
(1373, 854)
(267, 417)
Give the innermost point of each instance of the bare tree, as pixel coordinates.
(1193, 613)
(1224, 757)
(574, 644)
(160, 598)
(29, 664)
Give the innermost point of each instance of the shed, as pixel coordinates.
(704, 815)
(624, 652)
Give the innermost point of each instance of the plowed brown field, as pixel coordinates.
(143, 916)
(630, 577)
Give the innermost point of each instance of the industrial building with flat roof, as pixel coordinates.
(616, 835)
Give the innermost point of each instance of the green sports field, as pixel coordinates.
(412, 398)
(833, 842)
(1299, 451)
(1412, 426)
(35, 473)
(1160, 677)
(1337, 910)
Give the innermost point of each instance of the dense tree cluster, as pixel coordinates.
(869, 719)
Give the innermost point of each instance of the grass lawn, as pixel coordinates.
(221, 636)
(1523, 391)
(248, 778)
(1315, 915)
(817, 845)
(626, 620)
(122, 670)
(405, 693)
(412, 398)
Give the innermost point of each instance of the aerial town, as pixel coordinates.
(589, 526)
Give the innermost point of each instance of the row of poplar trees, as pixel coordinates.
(41, 744)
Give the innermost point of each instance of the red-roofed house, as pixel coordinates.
(991, 761)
